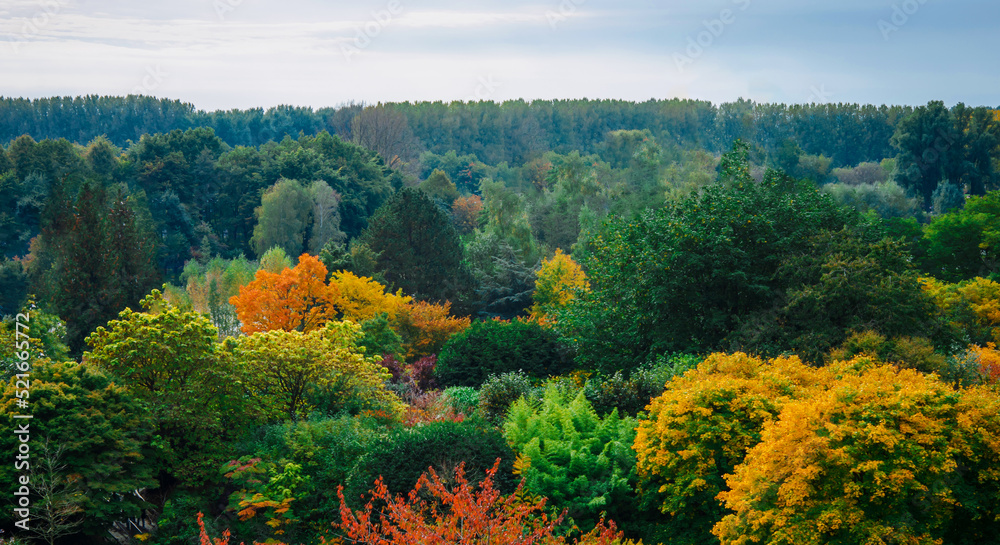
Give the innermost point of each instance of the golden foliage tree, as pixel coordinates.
(278, 367)
(701, 428)
(558, 282)
(882, 456)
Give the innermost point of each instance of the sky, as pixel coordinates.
(223, 54)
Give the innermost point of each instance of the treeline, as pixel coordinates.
(514, 132)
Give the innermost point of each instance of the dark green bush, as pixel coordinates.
(493, 347)
(631, 395)
(400, 458)
(499, 392)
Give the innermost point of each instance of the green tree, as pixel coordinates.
(170, 359)
(103, 433)
(927, 144)
(98, 253)
(683, 278)
(440, 187)
(278, 368)
(282, 217)
(492, 347)
(417, 247)
(965, 243)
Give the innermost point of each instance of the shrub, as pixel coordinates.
(577, 460)
(631, 396)
(463, 399)
(499, 392)
(885, 456)
(406, 453)
(493, 347)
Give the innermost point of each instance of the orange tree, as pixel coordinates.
(297, 299)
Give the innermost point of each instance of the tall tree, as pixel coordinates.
(98, 259)
(417, 246)
(282, 218)
(927, 144)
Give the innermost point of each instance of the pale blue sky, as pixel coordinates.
(247, 53)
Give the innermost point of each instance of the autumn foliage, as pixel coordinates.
(435, 513)
(465, 211)
(297, 299)
(558, 282)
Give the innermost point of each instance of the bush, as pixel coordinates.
(463, 399)
(499, 392)
(630, 396)
(886, 456)
(701, 428)
(493, 347)
(406, 453)
(581, 462)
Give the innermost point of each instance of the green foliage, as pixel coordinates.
(887, 199)
(96, 258)
(841, 284)
(684, 277)
(579, 461)
(401, 458)
(417, 247)
(493, 347)
(965, 243)
(462, 399)
(278, 369)
(629, 396)
(440, 187)
(379, 338)
(103, 433)
(947, 197)
(503, 282)
(171, 360)
(499, 392)
(281, 219)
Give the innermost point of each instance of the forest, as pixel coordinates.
(549, 322)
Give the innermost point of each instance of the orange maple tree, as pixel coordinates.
(425, 327)
(457, 515)
(296, 299)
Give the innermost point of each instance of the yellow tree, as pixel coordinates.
(972, 306)
(279, 368)
(702, 427)
(884, 456)
(361, 298)
(297, 299)
(558, 282)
